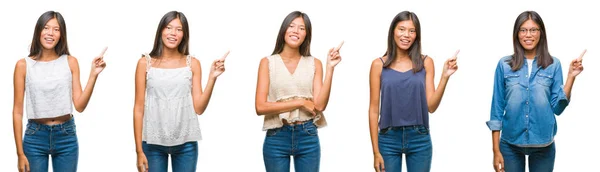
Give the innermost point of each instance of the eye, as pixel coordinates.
(179, 30)
(302, 28)
(413, 31)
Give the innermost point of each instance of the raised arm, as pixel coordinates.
(81, 98)
(434, 96)
(322, 89)
(201, 99)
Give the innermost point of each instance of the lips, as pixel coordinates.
(171, 40)
(294, 38)
(405, 41)
(528, 42)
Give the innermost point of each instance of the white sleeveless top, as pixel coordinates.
(169, 115)
(48, 92)
(285, 86)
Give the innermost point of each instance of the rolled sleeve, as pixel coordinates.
(559, 99)
(494, 125)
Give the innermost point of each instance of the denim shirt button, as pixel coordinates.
(527, 102)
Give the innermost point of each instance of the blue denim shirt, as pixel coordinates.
(523, 105)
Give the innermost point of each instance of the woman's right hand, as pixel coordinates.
(379, 167)
(142, 162)
(23, 164)
(498, 162)
(308, 106)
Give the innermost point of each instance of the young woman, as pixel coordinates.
(168, 95)
(402, 96)
(528, 91)
(291, 95)
(49, 80)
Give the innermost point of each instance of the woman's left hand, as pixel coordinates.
(98, 63)
(333, 58)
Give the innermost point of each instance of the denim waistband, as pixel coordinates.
(33, 124)
(298, 126)
(402, 127)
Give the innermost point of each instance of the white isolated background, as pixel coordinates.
(231, 130)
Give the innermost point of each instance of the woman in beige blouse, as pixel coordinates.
(291, 95)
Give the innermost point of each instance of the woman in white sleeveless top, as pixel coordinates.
(168, 98)
(291, 96)
(48, 79)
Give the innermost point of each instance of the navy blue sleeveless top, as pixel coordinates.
(403, 99)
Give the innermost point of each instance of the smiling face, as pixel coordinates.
(295, 33)
(405, 34)
(172, 34)
(50, 35)
(529, 35)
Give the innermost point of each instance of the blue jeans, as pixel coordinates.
(413, 141)
(540, 159)
(58, 141)
(300, 141)
(184, 157)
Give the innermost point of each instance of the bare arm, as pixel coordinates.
(138, 108)
(374, 98)
(19, 92)
(201, 99)
(321, 89)
(434, 96)
(82, 98)
(262, 89)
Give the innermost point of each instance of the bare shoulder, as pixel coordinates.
(72, 59)
(142, 61)
(264, 61)
(377, 62)
(317, 62)
(427, 60)
(21, 63)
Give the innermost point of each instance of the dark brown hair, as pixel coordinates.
(166, 19)
(61, 47)
(305, 46)
(414, 51)
(543, 56)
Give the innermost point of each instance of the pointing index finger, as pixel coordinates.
(455, 54)
(339, 46)
(583, 53)
(225, 55)
(103, 51)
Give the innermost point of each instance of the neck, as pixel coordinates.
(402, 54)
(170, 53)
(48, 54)
(290, 53)
(530, 54)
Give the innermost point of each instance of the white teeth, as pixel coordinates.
(294, 38)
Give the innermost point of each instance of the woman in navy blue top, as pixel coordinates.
(528, 91)
(402, 96)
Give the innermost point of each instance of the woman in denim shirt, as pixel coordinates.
(526, 97)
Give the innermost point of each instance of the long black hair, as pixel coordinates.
(61, 47)
(157, 50)
(543, 56)
(414, 51)
(305, 46)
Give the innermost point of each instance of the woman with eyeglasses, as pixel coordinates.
(528, 92)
